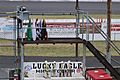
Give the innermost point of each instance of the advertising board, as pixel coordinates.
(37, 70)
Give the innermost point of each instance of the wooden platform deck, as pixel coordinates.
(54, 41)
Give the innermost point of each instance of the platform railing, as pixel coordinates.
(104, 35)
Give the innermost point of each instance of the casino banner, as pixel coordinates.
(37, 70)
(61, 29)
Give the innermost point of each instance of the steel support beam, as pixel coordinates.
(108, 54)
(97, 54)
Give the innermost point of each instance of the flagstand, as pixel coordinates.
(24, 15)
(21, 14)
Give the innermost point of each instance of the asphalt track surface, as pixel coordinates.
(8, 62)
(91, 61)
(58, 7)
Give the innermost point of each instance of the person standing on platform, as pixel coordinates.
(44, 35)
(29, 31)
(34, 30)
(38, 35)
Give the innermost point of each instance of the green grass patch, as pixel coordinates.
(55, 50)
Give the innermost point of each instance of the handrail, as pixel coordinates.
(52, 14)
(103, 34)
(111, 58)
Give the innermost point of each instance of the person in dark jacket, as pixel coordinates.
(44, 35)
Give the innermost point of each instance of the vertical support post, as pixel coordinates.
(84, 47)
(22, 61)
(76, 49)
(14, 37)
(87, 29)
(77, 23)
(93, 32)
(84, 59)
(22, 57)
(77, 26)
(82, 31)
(77, 5)
(22, 14)
(108, 30)
(19, 24)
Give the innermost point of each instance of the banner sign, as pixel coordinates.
(58, 29)
(6, 24)
(7, 28)
(39, 70)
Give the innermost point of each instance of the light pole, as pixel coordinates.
(77, 26)
(109, 2)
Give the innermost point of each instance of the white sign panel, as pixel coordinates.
(58, 29)
(7, 28)
(37, 70)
